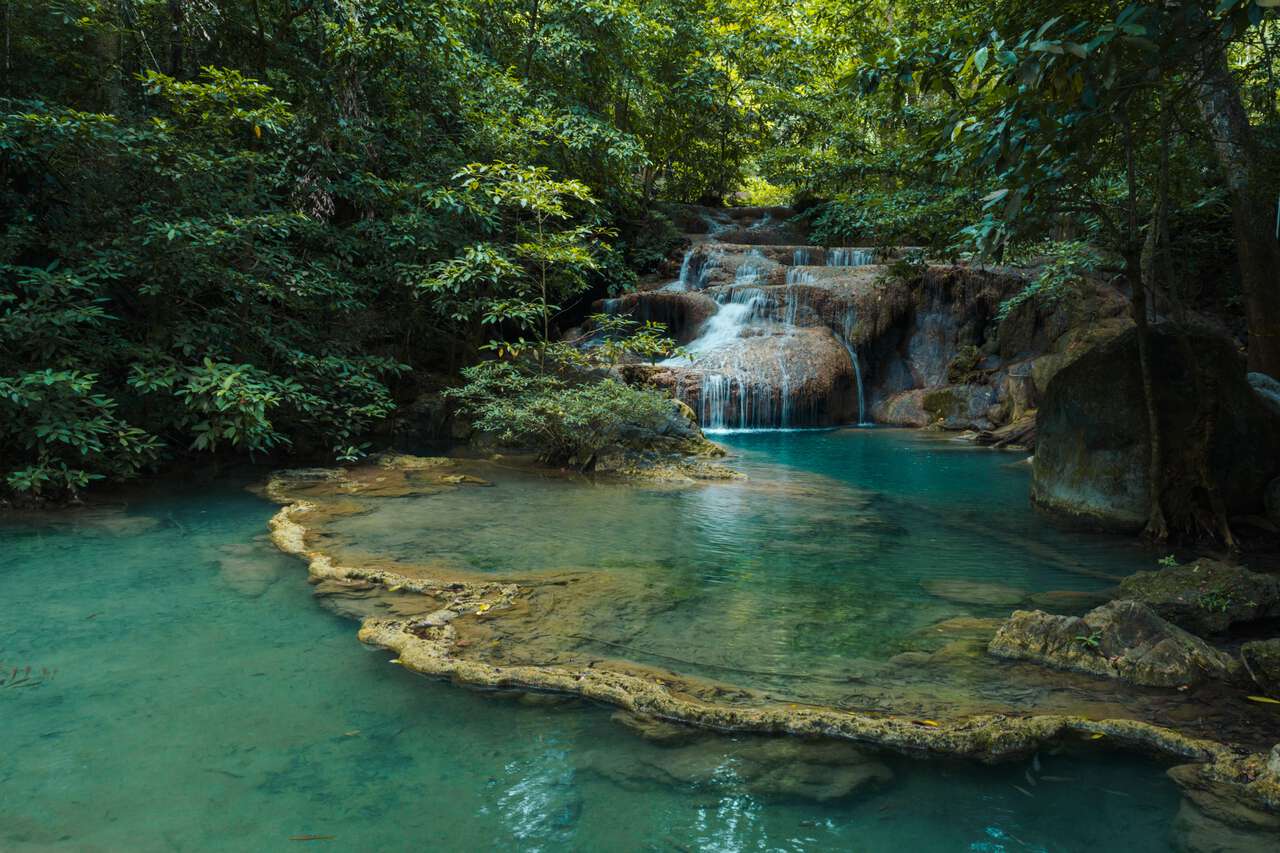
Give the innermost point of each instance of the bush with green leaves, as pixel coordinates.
(1064, 270)
(565, 419)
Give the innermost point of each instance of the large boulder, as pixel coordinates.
(1092, 447)
(1271, 500)
(1123, 639)
(770, 376)
(952, 407)
(1205, 597)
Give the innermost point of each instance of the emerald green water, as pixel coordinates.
(198, 699)
(842, 550)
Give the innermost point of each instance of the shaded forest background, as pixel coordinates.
(259, 226)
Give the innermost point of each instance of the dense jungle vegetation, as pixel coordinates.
(260, 226)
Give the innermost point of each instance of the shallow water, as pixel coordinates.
(198, 699)
(843, 546)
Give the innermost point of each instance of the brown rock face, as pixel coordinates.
(1122, 639)
(772, 376)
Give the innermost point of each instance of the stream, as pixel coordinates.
(186, 694)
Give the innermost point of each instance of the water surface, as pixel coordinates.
(843, 546)
(199, 699)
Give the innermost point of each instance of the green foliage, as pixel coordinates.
(615, 339)
(915, 216)
(565, 420)
(243, 228)
(1092, 641)
(908, 268)
(246, 228)
(1064, 269)
(1169, 561)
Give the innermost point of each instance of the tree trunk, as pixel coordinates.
(177, 16)
(1251, 211)
(1157, 528)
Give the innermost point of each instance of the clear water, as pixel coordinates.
(198, 699)
(844, 550)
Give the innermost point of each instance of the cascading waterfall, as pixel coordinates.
(796, 299)
(695, 270)
(847, 257)
(768, 356)
(846, 335)
(750, 270)
(799, 275)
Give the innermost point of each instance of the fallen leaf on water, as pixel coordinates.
(395, 661)
(1264, 699)
(1096, 736)
(351, 733)
(933, 723)
(312, 837)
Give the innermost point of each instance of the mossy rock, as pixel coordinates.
(1262, 660)
(1205, 597)
(1124, 639)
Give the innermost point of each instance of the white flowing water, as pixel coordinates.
(846, 257)
(695, 270)
(803, 257)
(846, 335)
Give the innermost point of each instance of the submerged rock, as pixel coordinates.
(1205, 597)
(1123, 639)
(1232, 804)
(1262, 660)
(656, 730)
(1092, 448)
(974, 592)
(1071, 601)
(781, 768)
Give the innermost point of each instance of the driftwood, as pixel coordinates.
(1021, 432)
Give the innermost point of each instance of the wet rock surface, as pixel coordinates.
(1092, 449)
(1262, 660)
(1232, 804)
(771, 768)
(1123, 639)
(1205, 597)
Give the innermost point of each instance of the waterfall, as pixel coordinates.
(850, 257)
(798, 275)
(739, 308)
(685, 267)
(802, 257)
(749, 270)
(846, 334)
(695, 270)
(716, 396)
(610, 306)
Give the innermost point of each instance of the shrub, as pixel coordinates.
(565, 420)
